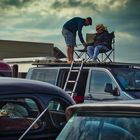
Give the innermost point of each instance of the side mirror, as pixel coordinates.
(109, 88)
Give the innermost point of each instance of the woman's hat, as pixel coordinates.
(100, 26)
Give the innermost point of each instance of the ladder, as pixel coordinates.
(73, 82)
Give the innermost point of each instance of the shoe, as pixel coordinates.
(92, 61)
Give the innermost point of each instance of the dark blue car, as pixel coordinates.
(31, 109)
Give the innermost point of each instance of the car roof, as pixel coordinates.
(5, 67)
(19, 85)
(109, 106)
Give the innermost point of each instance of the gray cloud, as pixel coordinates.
(94, 5)
(42, 20)
(125, 17)
(58, 5)
(16, 3)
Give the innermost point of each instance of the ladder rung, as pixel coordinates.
(73, 82)
(70, 81)
(74, 70)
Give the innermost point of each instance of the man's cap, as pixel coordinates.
(90, 20)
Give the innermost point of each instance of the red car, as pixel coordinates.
(5, 69)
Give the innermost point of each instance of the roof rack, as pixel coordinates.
(59, 62)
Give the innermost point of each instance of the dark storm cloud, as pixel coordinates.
(71, 3)
(125, 18)
(128, 13)
(91, 4)
(58, 4)
(17, 3)
(128, 18)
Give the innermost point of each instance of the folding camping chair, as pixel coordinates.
(82, 53)
(105, 55)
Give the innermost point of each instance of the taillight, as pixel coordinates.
(78, 99)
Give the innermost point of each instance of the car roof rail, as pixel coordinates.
(63, 62)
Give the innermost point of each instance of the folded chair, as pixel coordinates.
(105, 55)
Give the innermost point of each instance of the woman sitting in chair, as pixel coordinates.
(101, 42)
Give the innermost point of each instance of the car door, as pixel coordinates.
(16, 115)
(97, 80)
(56, 109)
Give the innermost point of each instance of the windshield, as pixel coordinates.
(129, 78)
(103, 128)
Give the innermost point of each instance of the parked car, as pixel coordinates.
(97, 81)
(118, 120)
(5, 69)
(31, 109)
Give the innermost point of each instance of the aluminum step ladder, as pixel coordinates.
(73, 82)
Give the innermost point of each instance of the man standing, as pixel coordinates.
(69, 32)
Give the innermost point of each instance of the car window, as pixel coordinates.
(129, 78)
(55, 106)
(45, 75)
(56, 111)
(137, 80)
(31, 103)
(98, 80)
(18, 114)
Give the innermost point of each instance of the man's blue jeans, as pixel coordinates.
(94, 51)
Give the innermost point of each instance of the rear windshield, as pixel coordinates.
(103, 128)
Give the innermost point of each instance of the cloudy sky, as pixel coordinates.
(42, 21)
